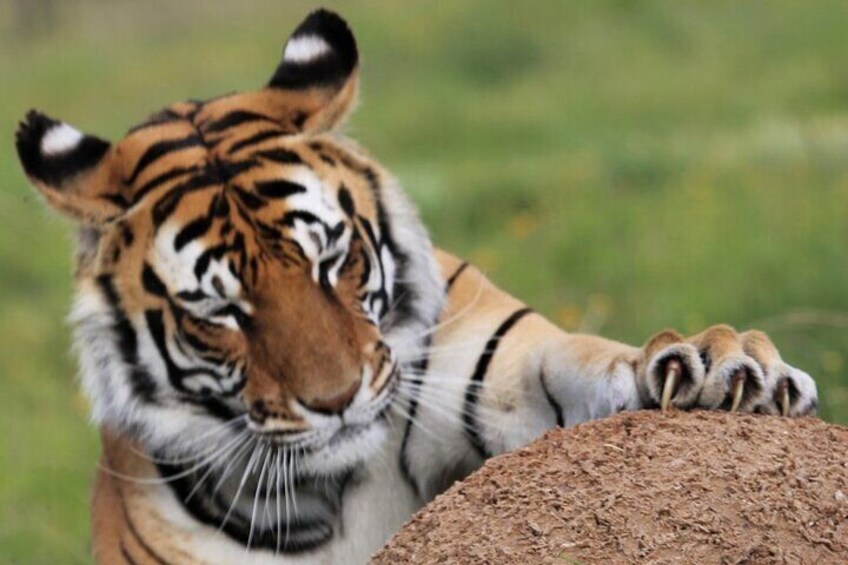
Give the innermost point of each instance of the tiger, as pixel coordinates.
(281, 365)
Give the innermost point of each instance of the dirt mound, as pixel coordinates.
(701, 487)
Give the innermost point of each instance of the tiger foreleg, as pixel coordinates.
(497, 375)
(566, 379)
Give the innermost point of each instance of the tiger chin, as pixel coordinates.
(282, 367)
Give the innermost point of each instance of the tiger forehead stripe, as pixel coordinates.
(212, 174)
(254, 139)
(160, 118)
(159, 150)
(233, 119)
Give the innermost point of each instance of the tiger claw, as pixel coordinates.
(672, 376)
(738, 389)
(784, 399)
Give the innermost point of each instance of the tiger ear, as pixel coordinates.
(319, 71)
(71, 169)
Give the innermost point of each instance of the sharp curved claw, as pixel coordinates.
(672, 376)
(738, 390)
(784, 400)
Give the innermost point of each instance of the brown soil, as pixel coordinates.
(701, 487)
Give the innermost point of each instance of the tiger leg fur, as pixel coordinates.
(498, 375)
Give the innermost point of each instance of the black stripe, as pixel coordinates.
(407, 297)
(278, 188)
(142, 383)
(302, 215)
(192, 231)
(555, 406)
(127, 235)
(298, 119)
(156, 326)
(235, 118)
(404, 306)
(368, 228)
(159, 180)
(455, 275)
(248, 198)
(283, 156)
(254, 139)
(335, 232)
(127, 341)
(346, 201)
(159, 150)
(224, 171)
(166, 205)
(192, 295)
(134, 532)
(220, 206)
(469, 416)
(195, 342)
(418, 382)
(268, 232)
(152, 283)
(209, 507)
(364, 257)
(117, 199)
(126, 554)
(206, 257)
(176, 374)
(163, 117)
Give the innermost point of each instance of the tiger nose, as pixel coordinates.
(334, 404)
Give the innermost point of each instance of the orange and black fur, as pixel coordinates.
(281, 365)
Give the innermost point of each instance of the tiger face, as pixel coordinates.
(243, 269)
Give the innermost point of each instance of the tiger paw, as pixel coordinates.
(720, 369)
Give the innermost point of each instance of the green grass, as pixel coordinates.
(621, 166)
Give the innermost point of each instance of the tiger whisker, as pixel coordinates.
(244, 476)
(450, 382)
(393, 306)
(232, 446)
(266, 449)
(239, 454)
(438, 326)
(287, 488)
(427, 350)
(269, 481)
(203, 437)
(277, 479)
(161, 479)
(294, 463)
(447, 352)
(437, 405)
(433, 393)
(406, 415)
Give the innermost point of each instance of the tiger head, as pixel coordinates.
(242, 267)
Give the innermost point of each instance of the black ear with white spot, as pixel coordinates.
(71, 169)
(52, 152)
(320, 53)
(320, 66)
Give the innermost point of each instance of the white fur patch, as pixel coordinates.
(60, 139)
(306, 48)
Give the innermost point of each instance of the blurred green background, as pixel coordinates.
(622, 166)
